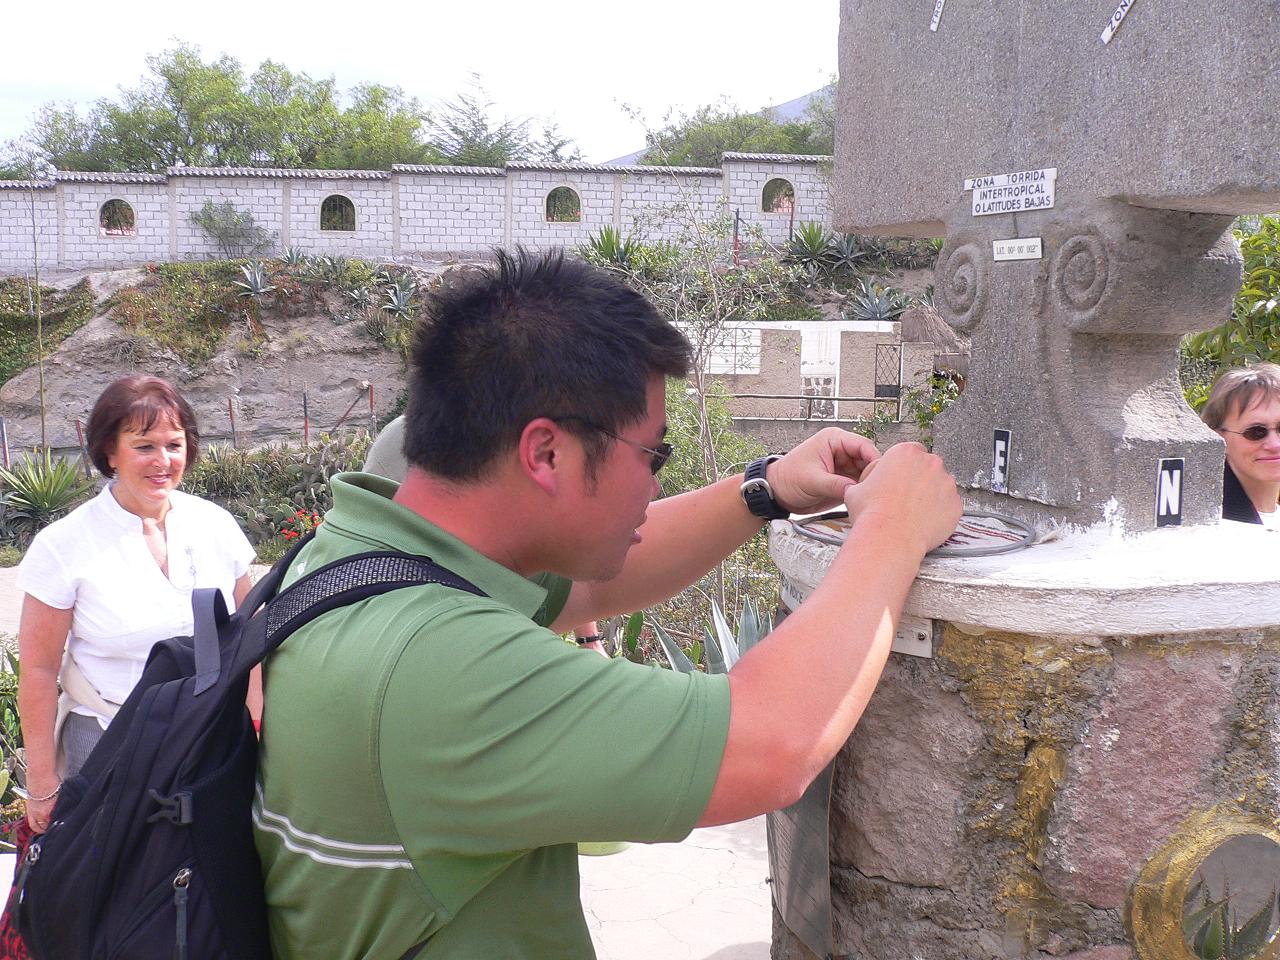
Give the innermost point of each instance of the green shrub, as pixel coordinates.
(63, 313)
(748, 571)
(266, 487)
(1252, 334)
(925, 404)
(37, 492)
(10, 555)
(235, 231)
(184, 307)
(607, 247)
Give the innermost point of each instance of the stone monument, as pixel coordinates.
(1083, 749)
(1085, 190)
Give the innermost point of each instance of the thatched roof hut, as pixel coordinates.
(923, 324)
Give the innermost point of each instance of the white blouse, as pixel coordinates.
(96, 562)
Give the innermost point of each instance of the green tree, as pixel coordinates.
(1252, 334)
(187, 113)
(553, 147)
(698, 139)
(465, 134)
(293, 118)
(70, 141)
(381, 127)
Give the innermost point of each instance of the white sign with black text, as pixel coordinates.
(1017, 248)
(1000, 461)
(1012, 179)
(1035, 194)
(1114, 23)
(937, 15)
(1169, 490)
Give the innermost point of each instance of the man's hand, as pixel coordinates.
(814, 476)
(911, 488)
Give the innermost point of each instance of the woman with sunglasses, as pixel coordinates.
(1244, 407)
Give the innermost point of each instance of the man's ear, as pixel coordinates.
(541, 454)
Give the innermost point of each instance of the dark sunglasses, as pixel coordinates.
(658, 456)
(1255, 432)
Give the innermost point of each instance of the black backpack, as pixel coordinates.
(150, 854)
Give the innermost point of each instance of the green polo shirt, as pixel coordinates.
(430, 758)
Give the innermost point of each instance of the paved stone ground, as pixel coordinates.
(703, 899)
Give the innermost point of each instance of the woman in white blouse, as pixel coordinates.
(113, 577)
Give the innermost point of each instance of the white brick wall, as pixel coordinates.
(747, 180)
(83, 240)
(372, 200)
(15, 228)
(649, 199)
(438, 212)
(262, 197)
(529, 190)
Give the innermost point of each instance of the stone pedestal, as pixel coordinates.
(1094, 708)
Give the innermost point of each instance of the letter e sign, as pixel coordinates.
(1000, 461)
(1169, 492)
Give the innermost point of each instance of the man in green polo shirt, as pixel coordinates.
(430, 758)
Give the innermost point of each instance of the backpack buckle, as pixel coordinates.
(175, 809)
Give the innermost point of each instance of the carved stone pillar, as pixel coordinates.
(1075, 355)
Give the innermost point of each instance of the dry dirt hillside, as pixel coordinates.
(262, 372)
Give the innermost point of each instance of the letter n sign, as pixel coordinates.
(1000, 461)
(1169, 492)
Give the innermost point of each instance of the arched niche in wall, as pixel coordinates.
(564, 206)
(778, 196)
(337, 213)
(115, 219)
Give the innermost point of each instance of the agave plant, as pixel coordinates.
(400, 299)
(874, 302)
(335, 268)
(360, 297)
(720, 645)
(317, 268)
(1214, 932)
(292, 256)
(39, 491)
(846, 254)
(256, 283)
(608, 246)
(811, 244)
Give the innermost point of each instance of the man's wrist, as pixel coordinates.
(757, 493)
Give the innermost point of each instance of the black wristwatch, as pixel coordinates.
(757, 494)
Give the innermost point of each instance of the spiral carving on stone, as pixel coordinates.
(1080, 273)
(961, 283)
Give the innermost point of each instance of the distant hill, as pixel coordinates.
(791, 110)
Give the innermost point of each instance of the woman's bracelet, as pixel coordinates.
(56, 790)
(591, 638)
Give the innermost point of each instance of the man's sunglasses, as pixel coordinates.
(658, 456)
(1254, 433)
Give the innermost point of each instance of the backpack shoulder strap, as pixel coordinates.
(209, 610)
(349, 581)
(338, 584)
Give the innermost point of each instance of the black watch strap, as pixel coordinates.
(756, 492)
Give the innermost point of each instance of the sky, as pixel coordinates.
(581, 63)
